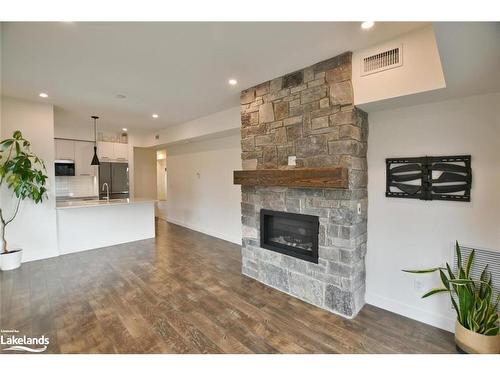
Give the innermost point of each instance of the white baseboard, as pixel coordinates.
(39, 257)
(210, 232)
(437, 320)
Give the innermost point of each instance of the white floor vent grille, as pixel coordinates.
(382, 60)
(482, 258)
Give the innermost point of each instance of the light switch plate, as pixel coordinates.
(292, 160)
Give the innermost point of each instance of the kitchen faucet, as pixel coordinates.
(107, 190)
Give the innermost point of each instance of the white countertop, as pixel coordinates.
(62, 205)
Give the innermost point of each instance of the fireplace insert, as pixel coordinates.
(289, 233)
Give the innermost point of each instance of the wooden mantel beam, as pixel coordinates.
(334, 177)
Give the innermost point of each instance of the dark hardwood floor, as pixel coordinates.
(183, 292)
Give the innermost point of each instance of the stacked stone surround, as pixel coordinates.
(309, 114)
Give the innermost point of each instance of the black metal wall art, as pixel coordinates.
(429, 178)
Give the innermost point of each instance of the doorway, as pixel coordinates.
(161, 183)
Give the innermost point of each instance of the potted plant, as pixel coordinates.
(477, 324)
(24, 174)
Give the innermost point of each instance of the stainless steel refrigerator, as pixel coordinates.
(116, 176)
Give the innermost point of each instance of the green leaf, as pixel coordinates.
(481, 315)
(461, 281)
(493, 331)
(457, 310)
(492, 320)
(7, 143)
(459, 255)
(451, 276)
(497, 301)
(469, 263)
(465, 301)
(435, 291)
(430, 270)
(450, 272)
(461, 273)
(475, 326)
(484, 274)
(20, 170)
(444, 279)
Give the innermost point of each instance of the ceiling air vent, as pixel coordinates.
(381, 60)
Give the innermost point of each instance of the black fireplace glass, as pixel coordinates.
(290, 233)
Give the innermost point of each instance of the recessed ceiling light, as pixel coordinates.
(232, 82)
(124, 129)
(43, 95)
(154, 115)
(367, 25)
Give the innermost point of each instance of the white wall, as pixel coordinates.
(144, 173)
(34, 229)
(421, 70)
(200, 191)
(66, 125)
(405, 233)
(203, 127)
(72, 125)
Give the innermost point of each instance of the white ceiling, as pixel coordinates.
(179, 70)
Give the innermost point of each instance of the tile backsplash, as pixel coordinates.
(76, 186)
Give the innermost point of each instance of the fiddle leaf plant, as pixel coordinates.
(474, 303)
(23, 173)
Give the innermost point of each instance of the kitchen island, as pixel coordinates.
(90, 224)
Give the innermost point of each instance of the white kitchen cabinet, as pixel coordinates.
(120, 151)
(105, 150)
(65, 149)
(84, 151)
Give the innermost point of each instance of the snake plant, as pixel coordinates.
(474, 304)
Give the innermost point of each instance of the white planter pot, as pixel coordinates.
(475, 343)
(11, 260)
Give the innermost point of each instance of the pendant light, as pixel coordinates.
(95, 159)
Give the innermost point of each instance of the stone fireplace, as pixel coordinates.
(292, 234)
(307, 115)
